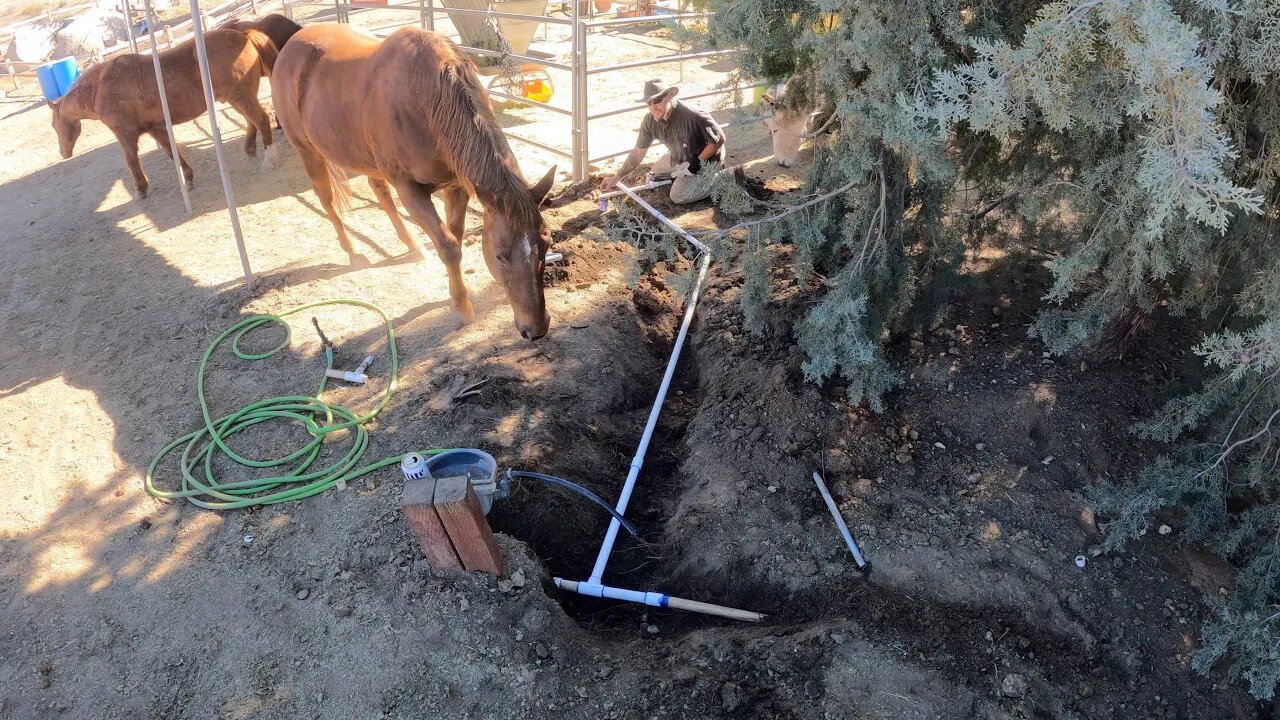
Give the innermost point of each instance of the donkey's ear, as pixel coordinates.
(768, 100)
(539, 191)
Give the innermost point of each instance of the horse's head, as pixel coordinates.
(515, 241)
(788, 128)
(68, 130)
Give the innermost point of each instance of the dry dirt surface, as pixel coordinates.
(967, 494)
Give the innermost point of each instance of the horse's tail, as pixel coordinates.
(266, 47)
(341, 188)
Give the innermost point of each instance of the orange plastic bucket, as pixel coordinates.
(536, 89)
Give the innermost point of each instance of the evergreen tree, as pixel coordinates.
(1155, 122)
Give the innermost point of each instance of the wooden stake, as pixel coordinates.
(425, 523)
(459, 511)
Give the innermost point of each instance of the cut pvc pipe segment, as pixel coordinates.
(657, 599)
(863, 565)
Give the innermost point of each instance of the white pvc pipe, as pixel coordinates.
(197, 25)
(637, 462)
(164, 105)
(835, 513)
(656, 599)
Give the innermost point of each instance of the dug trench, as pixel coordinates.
(955, 492)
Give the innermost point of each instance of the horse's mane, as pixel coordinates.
(83, 94)
(475, 146)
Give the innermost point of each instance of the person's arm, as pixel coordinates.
(713, 135)
(634, 158)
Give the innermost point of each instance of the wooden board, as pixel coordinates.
(426, 525)
(459, 511)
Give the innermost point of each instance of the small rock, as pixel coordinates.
(541, 651)
(731, 697)
(913, 434)
(342, 611)
(303, 594)
(1013, 686)
(902, 458)
(652, 629)
(980, 447)
(1165, 529)
(1095, 550)
(518, 579)
(506, 587)
(1085, 690)
(1048, 460)
(838, 638)
(940, 446)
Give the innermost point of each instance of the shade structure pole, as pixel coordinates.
(128, 26)
(164, 104)
(197, 25)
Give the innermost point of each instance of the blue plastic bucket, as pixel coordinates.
(56, 77)
(478, 465)
(65, 72)
(48, 83)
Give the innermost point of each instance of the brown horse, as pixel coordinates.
(123, 95)
(408, 111)
(277, 27)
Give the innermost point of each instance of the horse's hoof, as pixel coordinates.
(140, 194)
(465, 312)
(358, 260)
(269, 159)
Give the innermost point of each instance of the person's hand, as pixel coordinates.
(609, 184)
(681, 170)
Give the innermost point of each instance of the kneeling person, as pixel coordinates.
(691, 136)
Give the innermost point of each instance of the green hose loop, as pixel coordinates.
(201, 446)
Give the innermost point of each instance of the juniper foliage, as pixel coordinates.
(1154, 123)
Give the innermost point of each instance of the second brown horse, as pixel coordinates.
(123, 94)
(409, 112)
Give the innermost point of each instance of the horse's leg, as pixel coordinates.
(128, 140)
(388, 204)
(258, 122)
(319, 175)
(417, 200)
(455, 210)
(162, 140)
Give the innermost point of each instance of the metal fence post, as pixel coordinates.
(431, 15)
(581, 147)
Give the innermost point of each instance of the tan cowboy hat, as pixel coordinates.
(656, 89)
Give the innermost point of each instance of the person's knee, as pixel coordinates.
(683, 196)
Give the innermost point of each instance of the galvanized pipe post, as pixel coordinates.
(197, 26)
(128, 26)
(164, 104)
(581, 148)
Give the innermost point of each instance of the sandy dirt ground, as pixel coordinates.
(967, 493)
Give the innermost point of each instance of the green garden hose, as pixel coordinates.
(201, 446)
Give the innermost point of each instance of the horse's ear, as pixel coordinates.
(768, 100)
(539, 191)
